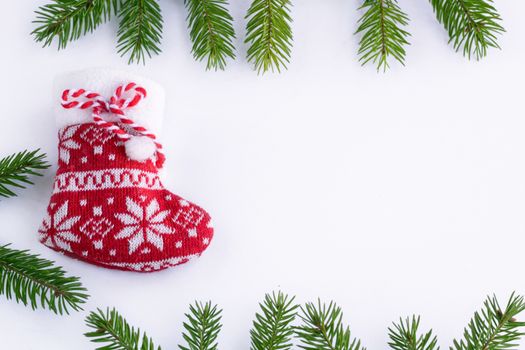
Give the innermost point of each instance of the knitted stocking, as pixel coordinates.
(108, 205)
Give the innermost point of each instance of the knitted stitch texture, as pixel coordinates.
(112, 211)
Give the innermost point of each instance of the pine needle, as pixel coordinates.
(111, 329)
(16, 169)
(272, 329)
(494, 328)
(323, 329)
(471, 24)
(211, 31)
(404, 336)
(140, 29)
(68, 20)
(269, 34)
(383, 34)
(34, 281)
(203, 327)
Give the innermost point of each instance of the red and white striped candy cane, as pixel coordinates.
(116, 105)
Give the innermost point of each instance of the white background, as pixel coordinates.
(392, 193)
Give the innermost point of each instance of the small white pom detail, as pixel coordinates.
(140, 148)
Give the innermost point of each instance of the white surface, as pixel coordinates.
(392, 194)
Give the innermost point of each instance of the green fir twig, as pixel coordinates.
(113, 332)
(382, 32)
(272, 328)
(269, 34)
(211, 31)
(68, 20)
(34, 281)
(16, 169)
(404, 336)
(323, 329)
(494, 328)
(473, 25)
(140, 29)
(202, 327)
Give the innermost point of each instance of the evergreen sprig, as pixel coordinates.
(68, 20)
(31, 280)
(272, 329)
(471, 24)
(323, 329)
(269, 34)
(383, 35)
(404, 336)
(140, 29)
(494, 328)
(211, 31)
(111, 329)
(202, 327)
(16, 169)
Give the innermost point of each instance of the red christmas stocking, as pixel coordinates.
(108, 205)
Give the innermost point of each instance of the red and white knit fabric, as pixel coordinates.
(110, 210)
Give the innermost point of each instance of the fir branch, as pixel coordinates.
(68, 20)
(404, 336)
(323, 329)
(29, 279)
(269, 34)
(493, 328)
(383, 36)
(140, 29)
(203, 327)
(16, 169)
(211, 31)
(272, 330)
(112, 329)
(471, 24)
